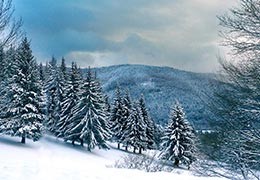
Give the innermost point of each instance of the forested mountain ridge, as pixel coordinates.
(161, 87)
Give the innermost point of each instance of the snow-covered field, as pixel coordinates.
(52, 159)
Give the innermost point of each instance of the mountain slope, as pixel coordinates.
(162, 86)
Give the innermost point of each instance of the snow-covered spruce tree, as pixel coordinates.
(179, 139)
(126, 111)
(2, 63)
(54, 90)
(88, 123)
(23, 116)
(70, 100)
(148, 124)
(134, 132)
(117, 118)
(103, 103)
(8, 70)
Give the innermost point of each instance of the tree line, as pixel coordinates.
(68, 104)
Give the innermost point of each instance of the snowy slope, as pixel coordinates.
(51, 159)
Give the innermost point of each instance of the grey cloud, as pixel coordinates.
(179, 33)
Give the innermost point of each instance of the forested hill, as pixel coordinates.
(162, 86)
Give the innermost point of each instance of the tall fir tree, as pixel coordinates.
(134, 132)
(7, 73)
(2, 63)
(126, 111)
(70, 100)
(23, 116)
(54, 90)
(117, 118)
(89, 122)
(148, 124)
(179, 139)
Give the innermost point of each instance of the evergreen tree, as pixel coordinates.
(54, 89)
(89, 122)
(70, 100)
(23, 116)
(134, 132)
(126, 111)
(2, 63)
(148, 124)
(8, 70)
(178, 141)
(117, 117)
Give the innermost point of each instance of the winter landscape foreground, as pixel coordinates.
(50, 159)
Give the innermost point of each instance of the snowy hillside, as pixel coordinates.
(51, 159)
(162, 86)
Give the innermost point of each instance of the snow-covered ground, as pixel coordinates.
(52, 159)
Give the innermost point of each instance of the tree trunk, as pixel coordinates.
(118, 146)
(81, 142)
(176, 163)
(126, 148)
(134, 149)
(23, 140)
(73, 143)
(140, 150)
(89, 149)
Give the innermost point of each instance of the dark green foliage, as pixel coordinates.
(89, 123)
(54, 88)
(179, 139)
(148, 124)
(23, 116)
(134, 131)
(117, 118)
(71, 98)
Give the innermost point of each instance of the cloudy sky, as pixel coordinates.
(176, 33)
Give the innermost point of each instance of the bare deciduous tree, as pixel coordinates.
(10, 28)
(238, 103)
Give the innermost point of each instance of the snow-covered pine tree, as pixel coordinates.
(54, 90)
(134, 132)
(117, 118)
(70, 100)
(179, 139)
(126, 111)
(23, 116)
(50, 89)
(148, 124)
(88, 123)
(8, 70)
(103, 104)
(2, 63)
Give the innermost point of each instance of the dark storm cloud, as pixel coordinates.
(178, 33)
